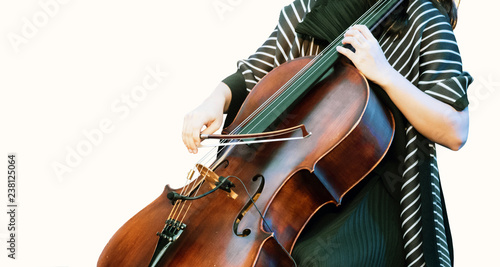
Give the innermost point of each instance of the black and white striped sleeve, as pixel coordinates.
(282, 45)
(255, 67)
(249, 72)
(441, 74)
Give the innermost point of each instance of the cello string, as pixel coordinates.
(190, 202)
(188, 187)
(181, 204)
(369, 14)
(176, 207)
(265, 106)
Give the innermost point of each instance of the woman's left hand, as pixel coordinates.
(368, 57)
(434, 119)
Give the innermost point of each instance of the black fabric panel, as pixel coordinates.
(236, 83)
(461, 103)
(447, 227)
(428, 230)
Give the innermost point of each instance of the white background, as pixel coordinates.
(63, 79)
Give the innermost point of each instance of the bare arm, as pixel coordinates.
(436, 120)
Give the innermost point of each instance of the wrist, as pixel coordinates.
(389, 78)
(220, 97)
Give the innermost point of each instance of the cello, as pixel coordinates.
(250, 204)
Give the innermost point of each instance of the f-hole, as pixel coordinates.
(222, 164)
(247, 207)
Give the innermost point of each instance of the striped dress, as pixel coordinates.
(363, 232)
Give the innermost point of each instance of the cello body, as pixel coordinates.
(279, 185)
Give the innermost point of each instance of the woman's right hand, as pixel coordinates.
(209, 114)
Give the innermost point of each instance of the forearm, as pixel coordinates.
(220, 96)
(434, 119)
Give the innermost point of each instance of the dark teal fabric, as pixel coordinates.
(364, 231)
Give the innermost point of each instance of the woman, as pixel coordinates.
(397, 215)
